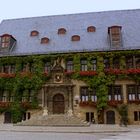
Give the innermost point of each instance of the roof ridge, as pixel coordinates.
(72, 14)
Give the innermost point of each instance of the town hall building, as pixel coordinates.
(72, 69)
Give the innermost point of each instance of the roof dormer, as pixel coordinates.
(45, 40)
(61, 31)
(34, 33)
(115, 36)
(91, 29)
(75, 38)
(7, 42)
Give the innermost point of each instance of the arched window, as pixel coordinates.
(61, 31)
(91, 29)
(75, 38)
(45, 40)
(34, 33)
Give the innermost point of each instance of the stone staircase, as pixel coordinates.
(55, 120)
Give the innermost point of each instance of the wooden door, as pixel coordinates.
(110, 117)
(58, 104)
(7, 117)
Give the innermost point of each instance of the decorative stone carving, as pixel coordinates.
(70, 112)
(45, 111)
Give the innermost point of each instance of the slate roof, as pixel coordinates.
(75, 24)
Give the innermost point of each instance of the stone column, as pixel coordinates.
(70, 111)
(43, 97)
(45, 105)
(124, 93)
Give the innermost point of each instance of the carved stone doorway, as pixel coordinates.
(58, 104)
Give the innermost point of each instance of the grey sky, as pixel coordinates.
(30, 8)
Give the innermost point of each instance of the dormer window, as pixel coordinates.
(75, 38)
(45, 40)
(115, 36)
(91, 29)
(62, 31)
(7, 42)
(34, 33)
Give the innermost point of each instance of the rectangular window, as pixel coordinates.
(6, 69)
(84, 65)
(93, 95)
(84, 94)
(110, 93)
(138, 92)
(87, 95)
(12, 68)
(106, 63)
(1, 69)
(116, 63)
(30, 95)
(31, 68)
(131, 92)
(135, 116)
(47, 66)
(90, 117)
(11, 98)
(117, 93)
(5, 96)
(94, 64)
(1, 94)
(129, 62)
(69, 65)
(115, 36)
(24, 67)
(138, 62)
(5, 41)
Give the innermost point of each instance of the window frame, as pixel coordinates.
(113, 94)
(129, 62)
(47, 66)
(106, 63)
(69, 65)
(116, 63)
(5, 41)
(131, 95)
(83, 65)
(87, 95)
(94, 64)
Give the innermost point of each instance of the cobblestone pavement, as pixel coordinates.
(8, 135)
(133, 135)
(48, 136)
(94, 132)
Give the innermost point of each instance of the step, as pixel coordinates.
(55, 120)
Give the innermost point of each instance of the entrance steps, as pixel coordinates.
(55, 120)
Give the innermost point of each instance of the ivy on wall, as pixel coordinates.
(36, 79)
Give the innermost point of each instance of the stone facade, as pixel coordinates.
(64, 53)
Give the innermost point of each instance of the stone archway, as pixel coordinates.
(110, 117)
(58, 104)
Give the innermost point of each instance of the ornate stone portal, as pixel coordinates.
(57, 93)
